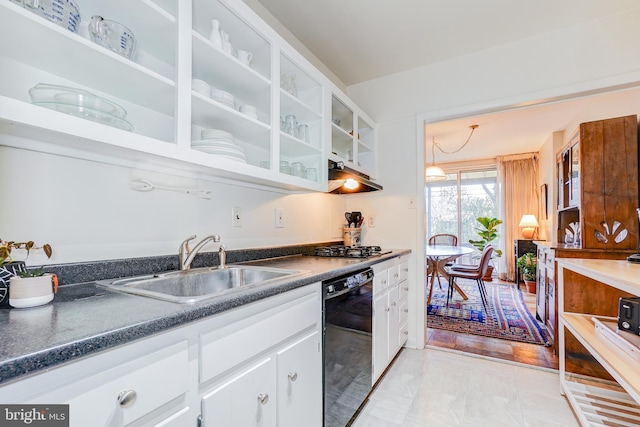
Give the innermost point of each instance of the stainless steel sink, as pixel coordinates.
(190, 286)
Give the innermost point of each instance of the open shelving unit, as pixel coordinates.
(595, 402)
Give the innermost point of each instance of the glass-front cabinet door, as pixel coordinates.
(230, 87)
(200, 86)
(300, 137)
(352, 137)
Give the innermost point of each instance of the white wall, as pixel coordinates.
(577, 60)
(87, 211)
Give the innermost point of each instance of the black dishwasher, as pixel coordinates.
(347, 343)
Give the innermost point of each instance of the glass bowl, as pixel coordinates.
(65, 13)
(112, 35)
(79, 103)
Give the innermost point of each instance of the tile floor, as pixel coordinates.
(447, 388)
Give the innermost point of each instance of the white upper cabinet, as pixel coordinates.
(266, 105)
(352, 136)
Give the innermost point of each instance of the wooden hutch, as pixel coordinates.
(597, 195)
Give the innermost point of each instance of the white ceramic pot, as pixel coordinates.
(30, 291)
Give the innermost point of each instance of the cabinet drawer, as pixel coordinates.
(226, 347)
(403, 270)
(380, 282)
(403, 312)
(404, 333)
(156, 379)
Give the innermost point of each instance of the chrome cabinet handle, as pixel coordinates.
(293, 376)
(406, 332)
(406, 289)
(406, 310)
(395, 275)
(263, 398)
(387, 309)
(393, 304)
(127, 398)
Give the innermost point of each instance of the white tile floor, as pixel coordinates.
(439, 388)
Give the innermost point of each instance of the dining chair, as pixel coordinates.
(443, 239)
(435, 240)
(475, 272)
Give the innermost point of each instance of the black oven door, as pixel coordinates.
(347, 353)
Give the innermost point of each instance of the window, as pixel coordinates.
(454, 203)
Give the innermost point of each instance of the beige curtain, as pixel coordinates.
(520, 194)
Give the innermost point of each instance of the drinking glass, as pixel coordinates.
(311, 174)
(288, 83)
(291, 125)
(297, 169)
(303, 132)
(284, 167)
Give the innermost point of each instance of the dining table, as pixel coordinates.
(437, 257)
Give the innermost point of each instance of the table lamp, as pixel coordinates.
(529, 224)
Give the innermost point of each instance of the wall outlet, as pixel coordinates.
(371, 221)
(236, 217)
(279, 218)
(412, 202)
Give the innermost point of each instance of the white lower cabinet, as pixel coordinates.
(275, 376)
(390, 312)
(256, 365)
(299, 386)
(247, 399)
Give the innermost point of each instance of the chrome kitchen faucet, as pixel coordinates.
(186, 255)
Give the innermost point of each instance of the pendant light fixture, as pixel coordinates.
(435, 173)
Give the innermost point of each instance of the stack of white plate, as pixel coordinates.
(220, 143)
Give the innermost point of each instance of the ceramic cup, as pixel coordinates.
(244, 56)
(201, 87)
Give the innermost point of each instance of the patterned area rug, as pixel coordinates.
(507, 318)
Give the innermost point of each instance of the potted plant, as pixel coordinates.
(527, 266)
(488, 232)
(10, 268)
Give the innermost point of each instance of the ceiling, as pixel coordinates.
(360, 40)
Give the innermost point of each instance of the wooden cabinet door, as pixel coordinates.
(247, 399)
(299, 382)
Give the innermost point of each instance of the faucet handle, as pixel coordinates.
(216, 238)
(184, 249)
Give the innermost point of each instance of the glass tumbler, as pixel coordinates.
(303, 133)
(297, 169)
(291, 125)
(311, 174)
(284, 167)
(288, 83)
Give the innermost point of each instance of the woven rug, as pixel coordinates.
(507, 318)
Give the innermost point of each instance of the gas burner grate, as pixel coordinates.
(348, 251)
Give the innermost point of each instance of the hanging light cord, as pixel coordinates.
(473, 128)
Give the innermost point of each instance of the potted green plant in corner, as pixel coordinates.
(488, 232)
(527, 266)
(10, 270)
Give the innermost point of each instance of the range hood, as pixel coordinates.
(339, 174)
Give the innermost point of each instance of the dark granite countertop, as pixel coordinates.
(85, 318)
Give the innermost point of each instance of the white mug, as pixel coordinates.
(244, 56)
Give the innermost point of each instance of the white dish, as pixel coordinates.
(217, 144)
(222, 96)
(213, 133)
(220, 150)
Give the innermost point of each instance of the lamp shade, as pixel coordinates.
(434, 173)
(529, 223)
